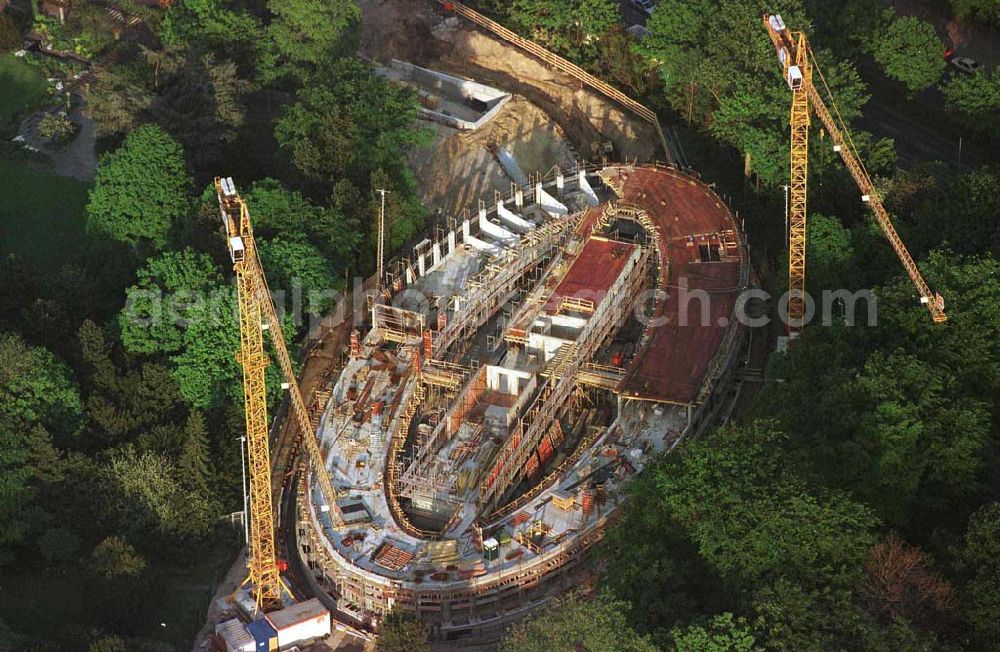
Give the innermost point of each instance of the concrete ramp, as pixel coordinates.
(587, 189)
(495, 231)
(513, 219)
(548, 203)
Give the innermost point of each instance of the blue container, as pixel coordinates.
(263, 635)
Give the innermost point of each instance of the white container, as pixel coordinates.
(302, 622)
(235, 636)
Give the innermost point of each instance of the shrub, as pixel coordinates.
(57, 128)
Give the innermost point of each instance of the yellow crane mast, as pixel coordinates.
(799, 66)
(257, 314)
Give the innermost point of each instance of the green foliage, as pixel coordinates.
(182, 308)
(194, 458)
(23, 85)
(751, 518)
(295, 266)
(115, 101)
(114, 557)
(904, 416)
(574, 624)
(202, 105)
(400, 631)
(57, 128)
(979, 557)
(37, 389)
(305, 36)
(732, 86)
(352, 123)
(10, 37)
(987, 11)
(724, 633)
(171, 292)
(38, 401)
(404, 214)
(976, 100)
(58, 545)
(141, 189)
(571, 28)
(278, 211)
(215, 24)
(147, 502)
(829, 252)
(909, 51)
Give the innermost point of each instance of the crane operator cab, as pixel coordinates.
(783, 43)
(232, 218)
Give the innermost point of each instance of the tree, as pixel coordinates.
(724, 633)
(115, 101)
(751, 518)
(194, 459)
(123, 403)
(400, 631)
(114, 557)
(202, 106)
(987, 11)
(170, 292)
(350, 122)
(979, 559)
(38, 402)
(36, 388)
(147, 502)
(140, 189)
(910, 51)
(576, 624)
(304, 36)
(829, 252)
(732, 87)
(900, 582)
(233, 32)
(296, 266)
(10, 39)
(404, 214)
(275, 211)
(976, 99)
(571, 28)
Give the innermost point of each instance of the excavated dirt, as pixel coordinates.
(551, 121)
(458, 168)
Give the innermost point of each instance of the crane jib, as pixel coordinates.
(798, 66)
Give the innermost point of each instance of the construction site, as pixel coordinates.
(515, 374)
(508, 374)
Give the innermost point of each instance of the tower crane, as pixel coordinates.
(798, 66)
(257, 314)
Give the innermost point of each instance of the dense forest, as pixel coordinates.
(854, 507)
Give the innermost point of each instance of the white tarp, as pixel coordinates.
(510, 166)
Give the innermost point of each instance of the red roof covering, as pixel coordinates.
(675, 360)
(597, 266)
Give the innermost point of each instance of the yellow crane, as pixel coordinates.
(798, 66)
(257, 314)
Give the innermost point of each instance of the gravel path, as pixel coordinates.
(76, 159)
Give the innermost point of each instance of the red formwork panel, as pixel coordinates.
(673, 364)
(597, 266)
